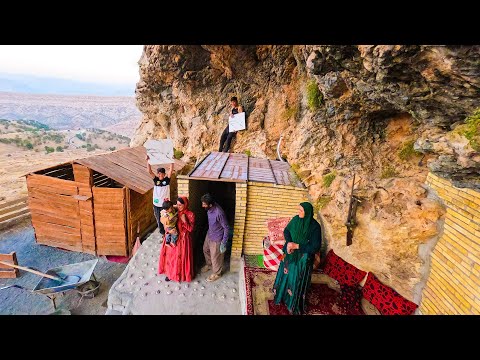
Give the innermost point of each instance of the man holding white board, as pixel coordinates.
(235, 122)
(160, 152)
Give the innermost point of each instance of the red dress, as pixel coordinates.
(177, 262)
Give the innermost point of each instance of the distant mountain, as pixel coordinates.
(71, 112)
(50, 85)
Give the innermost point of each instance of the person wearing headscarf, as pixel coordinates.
(303, 237)
(177, 262)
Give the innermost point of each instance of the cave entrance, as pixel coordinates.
(224, 194)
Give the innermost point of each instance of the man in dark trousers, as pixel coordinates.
(161, 191)
(226, 138)
(215, 243)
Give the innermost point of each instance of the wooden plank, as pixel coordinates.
(136, 159)
(53, 190)
(137, 174)
(60, 243)
(50, 181)
(41, 194)
(53, 201)
(82, 174)
(127, 163)
(111, 205)
(129, 225)
(14, 214)
(67, 239)
(7, 272)
(7, 257)
(55, 219)
(117, 192)
(14, 202)
(56, 228)
(13, 208)
(51, 208)
(110, 222)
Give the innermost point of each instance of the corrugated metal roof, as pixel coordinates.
(219, 166)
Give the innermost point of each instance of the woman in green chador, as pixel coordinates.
(303, 237)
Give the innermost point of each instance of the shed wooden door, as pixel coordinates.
(55, 211)
(110, 221)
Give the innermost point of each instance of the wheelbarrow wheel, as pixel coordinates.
(89, 290)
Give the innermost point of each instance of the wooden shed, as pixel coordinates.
(96, 205)
(250, 190)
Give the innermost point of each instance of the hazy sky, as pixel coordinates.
(112, 64)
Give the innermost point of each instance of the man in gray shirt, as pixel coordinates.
(216, 240)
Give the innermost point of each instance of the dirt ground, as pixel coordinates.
(14, 301)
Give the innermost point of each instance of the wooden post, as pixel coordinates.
(7, 272)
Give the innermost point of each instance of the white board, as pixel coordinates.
(237, 122)
(159, 151)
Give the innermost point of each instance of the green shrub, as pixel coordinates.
(248, 152)
(321, 202)
(49, 149)
(59, 149)
(177, 154)
(328, 179)
(388, 171)
(112, 148)
(314, 95)
(28, 145)
(290, 112)
(471, 129)
(295, 168)
(407, 151)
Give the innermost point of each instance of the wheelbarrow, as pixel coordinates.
(74, 277)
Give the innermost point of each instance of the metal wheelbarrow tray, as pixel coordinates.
(74, 275)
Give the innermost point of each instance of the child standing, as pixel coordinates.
(169, 220)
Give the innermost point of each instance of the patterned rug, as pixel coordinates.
(321, 300)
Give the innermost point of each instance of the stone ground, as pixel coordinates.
(140, 290)
(14, 301)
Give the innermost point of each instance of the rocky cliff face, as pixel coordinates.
(386, 113)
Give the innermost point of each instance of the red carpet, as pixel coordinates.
(321, 300)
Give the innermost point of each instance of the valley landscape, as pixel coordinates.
(38, 131)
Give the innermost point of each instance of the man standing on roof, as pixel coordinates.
(161, 191)
(227, 137)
